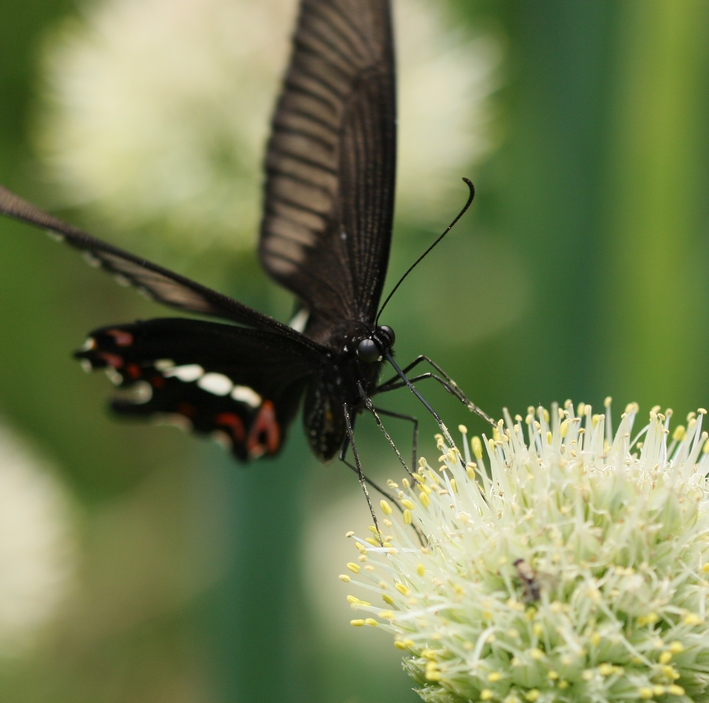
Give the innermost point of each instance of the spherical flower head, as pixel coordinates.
(560, 562)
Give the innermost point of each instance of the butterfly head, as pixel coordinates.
(372, 348)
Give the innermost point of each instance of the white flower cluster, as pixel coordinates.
(561, 562)
(157, 111)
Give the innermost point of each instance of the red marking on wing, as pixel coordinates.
(111, 359)
(158, 381)
(234, 423)
(121, 337)
(133, 370)
(265, 435)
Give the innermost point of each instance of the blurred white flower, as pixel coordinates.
(564, 563)
(158, 111)
(37, 546)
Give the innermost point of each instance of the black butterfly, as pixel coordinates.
(325, 235)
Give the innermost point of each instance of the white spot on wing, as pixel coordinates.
(164, 364)
(247, 395)
(55, 236)
(300, 319)
(113, 376)
(139, 393)
(91, 260)
(89, 344)
(86, 365)
(186, 373)
(121, 280)
(215, 383)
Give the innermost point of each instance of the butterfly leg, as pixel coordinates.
(358, 469)
(415, 442)
(370, 406)
(444, 379)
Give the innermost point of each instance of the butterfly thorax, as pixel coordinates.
(345, 378)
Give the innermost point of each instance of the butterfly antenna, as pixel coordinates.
(470, 185)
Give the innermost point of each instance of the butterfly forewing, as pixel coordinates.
(156, 282)
(325, 235)
(242, 384)
(330, 161)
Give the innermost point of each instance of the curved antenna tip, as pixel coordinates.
(470, 185)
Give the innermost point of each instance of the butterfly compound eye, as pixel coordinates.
(368, 351)
(388, 334)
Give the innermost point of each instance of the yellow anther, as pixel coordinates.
(701, 411)
(665, 657)
(675, 690)
(550, 437)
(606, 669)
(607, 402)
(545, 412)
(564, 428)
(404, 590)
(596, 639)
(705, 448)
(361, 547)
(477, 447)
(386, 508)
(372, 541)
(407, 517)
(462, 429)
(676, 647)
(371, 622)
(420, 569)
(581, 409)
(345, 578)
(536, 653)
(357, 623)
(486, 694)
(678, 434)
(494, 676)
(563, 685)
(553, 675)
(645, 692)
(400, 645)
(405, 483)
(658, 689)
(406, 503)
(387, 614)
(350, 534)
(532, 695)
(424, 499)
(391, 484)
(387, 599)
(352, 600)
(433, 676)
(692, 619)
(354, 568)
(587, 675)
(538, 630)
(454, 486)
(470, 471)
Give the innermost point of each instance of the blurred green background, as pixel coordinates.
(582, 271)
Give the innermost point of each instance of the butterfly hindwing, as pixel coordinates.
(325, 235)
(330, 163)
(238, 384)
